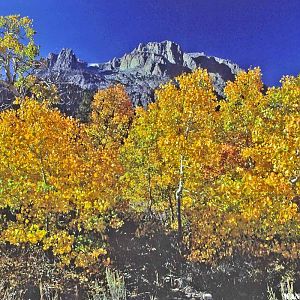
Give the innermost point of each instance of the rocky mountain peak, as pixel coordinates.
(65, 60)
(154, 58)
(141, 71)
(167, 49)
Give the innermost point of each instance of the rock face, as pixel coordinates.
(5, 97)
(140, 71)
(65, 60)
(156, 59)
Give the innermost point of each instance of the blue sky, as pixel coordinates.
(263, 33)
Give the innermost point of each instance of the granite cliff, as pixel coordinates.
(140, 71)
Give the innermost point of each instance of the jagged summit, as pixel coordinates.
(141, 71)
(65, 60)
(158, 59)
(168, 49)
(153, 58)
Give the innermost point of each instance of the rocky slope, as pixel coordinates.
(140, 71)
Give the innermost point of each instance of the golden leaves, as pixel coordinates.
(112, 114)
(259, 162)
(237, 170)
(237, 182)
(179, 123)
(18, 50)
(54, 181)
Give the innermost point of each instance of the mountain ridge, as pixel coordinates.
(140, 71)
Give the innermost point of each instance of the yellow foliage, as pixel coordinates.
(54, 182)
(229, 178)
(179, 126)
(112, 114)
(253, 209)
(237, 169)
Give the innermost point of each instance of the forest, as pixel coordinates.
(220, 177)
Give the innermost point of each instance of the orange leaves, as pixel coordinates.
(237, 163)
(54, 181)
(111, 117)
(230, 157)
(231, 175)
(259, 149)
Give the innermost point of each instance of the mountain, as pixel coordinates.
(140, 71)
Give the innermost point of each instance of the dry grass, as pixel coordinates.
(287, 291)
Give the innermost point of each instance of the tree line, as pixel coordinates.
(224, 174)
